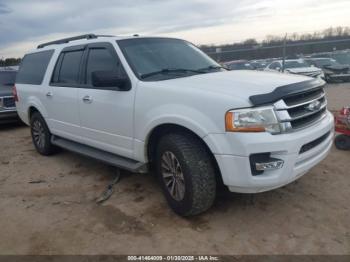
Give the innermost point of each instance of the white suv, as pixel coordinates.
(142, 103)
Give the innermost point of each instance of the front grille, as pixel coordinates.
(301, 110)
(314, 143)
(9, 102)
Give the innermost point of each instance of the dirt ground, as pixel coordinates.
(48, 206)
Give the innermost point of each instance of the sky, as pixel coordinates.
(26, 23)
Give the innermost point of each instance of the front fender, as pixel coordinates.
(186, 117)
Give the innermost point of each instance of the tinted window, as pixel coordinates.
(7, 78)
(33, 68)
(100, 60)
(274, 65)
(69, 70)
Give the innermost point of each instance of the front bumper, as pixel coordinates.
(338, 77)
(233, 151)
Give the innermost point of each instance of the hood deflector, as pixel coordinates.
(284, 91)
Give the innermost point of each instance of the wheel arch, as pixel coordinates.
(35, 105)
(31, 110)
(163, 129)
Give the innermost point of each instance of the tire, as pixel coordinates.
(342, 142)
(328, 80)
(41, 135)
(195, 174)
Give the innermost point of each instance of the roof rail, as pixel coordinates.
(67, 40)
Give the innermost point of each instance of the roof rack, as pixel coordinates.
(67, 40)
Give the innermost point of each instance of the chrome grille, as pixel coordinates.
(7, 102)
(301, 110)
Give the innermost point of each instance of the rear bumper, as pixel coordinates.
(8, 116)
(234, 162)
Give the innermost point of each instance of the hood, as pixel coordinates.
(6, 90)
(301, 70)
(238, 84)
(337, 67)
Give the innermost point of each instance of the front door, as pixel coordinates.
(106, 114)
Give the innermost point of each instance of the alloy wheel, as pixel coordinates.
(38, 134)
(172, 175)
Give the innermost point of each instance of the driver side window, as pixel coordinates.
(101, 59)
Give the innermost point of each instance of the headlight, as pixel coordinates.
(252, 120)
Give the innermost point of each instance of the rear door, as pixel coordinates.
(106, 114)
(62, 94)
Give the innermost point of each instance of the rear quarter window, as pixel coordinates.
(68, 72)
(33, 68)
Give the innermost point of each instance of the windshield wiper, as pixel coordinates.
(171, 70)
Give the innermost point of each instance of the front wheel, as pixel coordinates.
(41, 135)
(187, 174)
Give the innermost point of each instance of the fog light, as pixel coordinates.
(273, 164)
(264, 162)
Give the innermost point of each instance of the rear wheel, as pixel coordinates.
(342, 142)
(41, 135)
(186, 172)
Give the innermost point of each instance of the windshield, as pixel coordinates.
(295, 64)
(164, 58)
(7, 78)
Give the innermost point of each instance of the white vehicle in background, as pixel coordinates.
(161, 104)
(295, 66)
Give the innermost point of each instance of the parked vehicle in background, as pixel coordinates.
(333, 71)
(342, 57)
(342, 126)
(8, 112)
(238, 65)
(259, 64)
(295, 66)
(161, 103)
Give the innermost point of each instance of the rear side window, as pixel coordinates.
(33, 68)
(67, 68)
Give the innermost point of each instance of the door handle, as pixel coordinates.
(87, 99)
(49, 94)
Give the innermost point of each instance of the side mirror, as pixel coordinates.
(278, 69)
(110, 80)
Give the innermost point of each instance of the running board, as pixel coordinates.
(106, 157)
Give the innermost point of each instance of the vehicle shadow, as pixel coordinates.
(11, 126)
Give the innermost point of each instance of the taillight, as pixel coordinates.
(14, 93)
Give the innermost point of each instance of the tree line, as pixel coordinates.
(10, 61)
